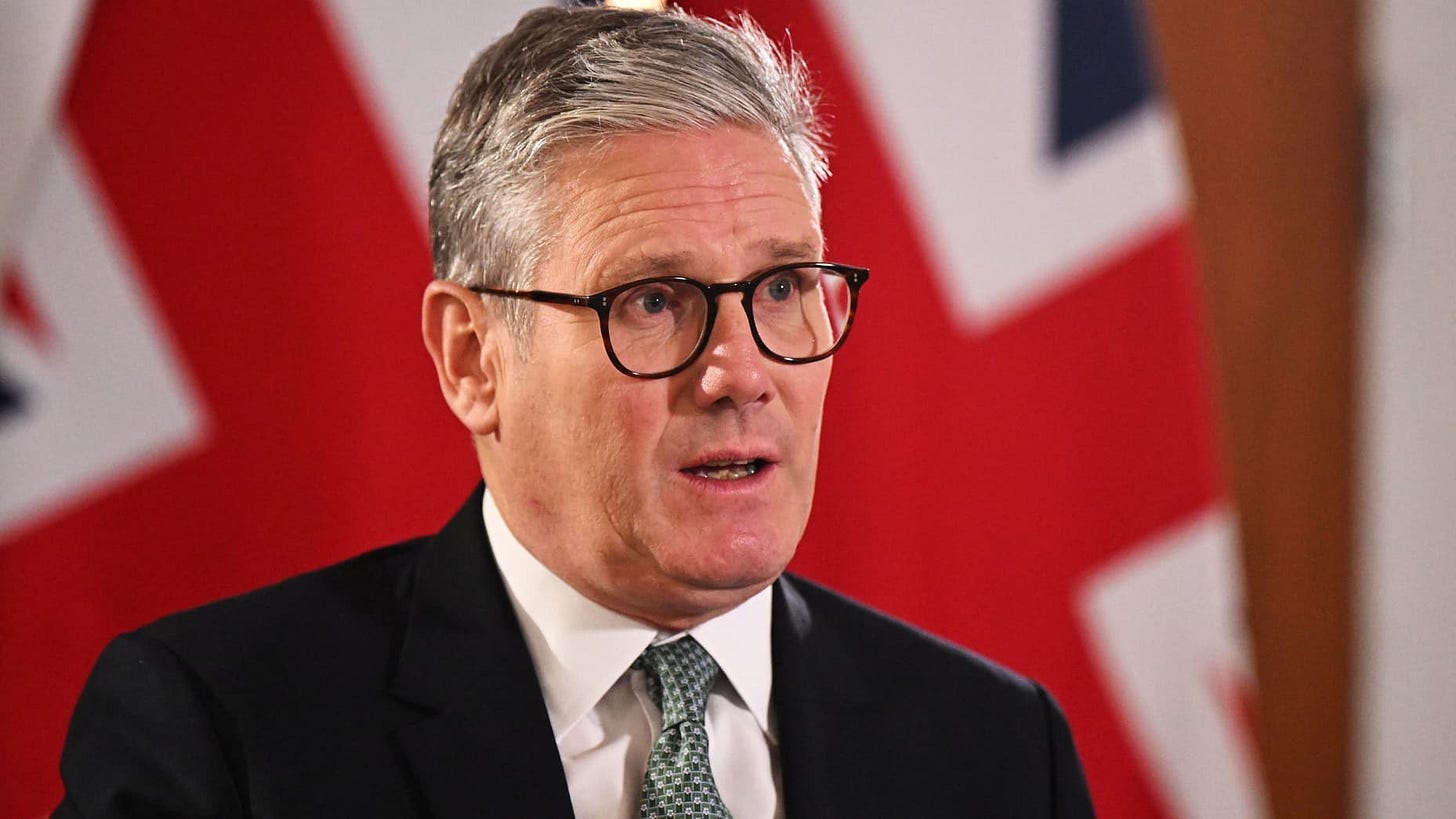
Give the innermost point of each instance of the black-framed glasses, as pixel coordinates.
(653, 328)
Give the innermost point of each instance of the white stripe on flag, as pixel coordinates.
(108, 396)
(961, 92)
(1166, 625)
(407, 63)
(37, 41)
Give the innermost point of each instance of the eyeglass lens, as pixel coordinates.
(798, 312)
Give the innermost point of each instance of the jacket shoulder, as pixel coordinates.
(276, 697)
(341, 615)
(964, 729)
(903, 651)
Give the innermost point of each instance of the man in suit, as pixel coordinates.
(632, 318)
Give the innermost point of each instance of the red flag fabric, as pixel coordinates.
(211, 374)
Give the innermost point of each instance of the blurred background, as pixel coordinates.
(1150, 396)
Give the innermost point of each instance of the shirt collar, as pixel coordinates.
(581, 648)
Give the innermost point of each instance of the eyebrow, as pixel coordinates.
(638, 265)
(803, 251)
(642, 266)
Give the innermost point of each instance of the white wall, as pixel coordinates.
(1406, 746)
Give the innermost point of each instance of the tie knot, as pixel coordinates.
(679, 675)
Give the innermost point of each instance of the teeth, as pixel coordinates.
(726, 470)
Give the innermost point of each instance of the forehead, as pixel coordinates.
(714, 202)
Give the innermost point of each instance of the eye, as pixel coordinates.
(782, 288)
(652, 302)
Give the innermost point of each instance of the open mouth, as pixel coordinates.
(727, 470)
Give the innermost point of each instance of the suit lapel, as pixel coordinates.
(830, 753)
(483, 745)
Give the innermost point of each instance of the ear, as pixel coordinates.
(464, 340)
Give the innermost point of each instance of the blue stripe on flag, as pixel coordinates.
(1101, 68)
(12, 400)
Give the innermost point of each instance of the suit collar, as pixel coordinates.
(580, 648)
(464, 665)
(484, 744)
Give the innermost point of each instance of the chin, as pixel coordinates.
(736, 560)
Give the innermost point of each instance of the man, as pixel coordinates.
(631, 317)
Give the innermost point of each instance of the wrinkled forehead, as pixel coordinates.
(565, 165)
(719, 202)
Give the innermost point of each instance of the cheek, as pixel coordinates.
(628, 484)
(553, 431)
(807, 404)
(623, 433)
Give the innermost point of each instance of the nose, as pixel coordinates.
(732, 370)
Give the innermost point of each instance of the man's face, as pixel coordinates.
(615, 482)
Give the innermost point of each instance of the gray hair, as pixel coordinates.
(568, 76)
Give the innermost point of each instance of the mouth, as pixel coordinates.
(727, 469)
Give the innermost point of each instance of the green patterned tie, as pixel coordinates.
(679, 781)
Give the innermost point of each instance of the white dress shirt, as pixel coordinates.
(605, 721)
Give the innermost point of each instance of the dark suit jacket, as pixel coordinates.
(397, 684)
